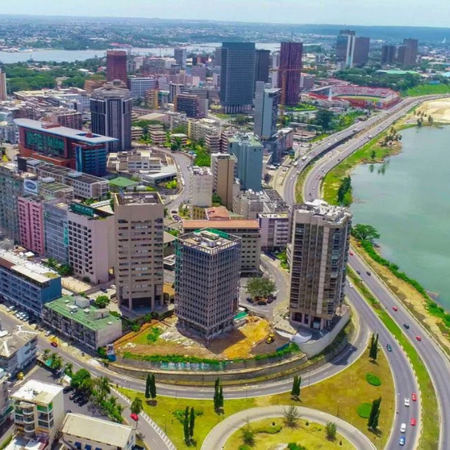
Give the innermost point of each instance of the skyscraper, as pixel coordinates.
(139, 237)
(3, 92)
(407, 53)
(223, 167)
(262, 65)
(345, 47)
(207, 282)
(116, 65)
(388, 54)
(180, 55)
(237, 76)
(320, 244)
(266, 111)
(111, 115)
(290, 68)
(249, 153)
(361, 51)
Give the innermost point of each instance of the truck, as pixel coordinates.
(304, 158)
(295, 163)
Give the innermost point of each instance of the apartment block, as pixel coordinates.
(39, 410)
(250, 204)
(56, 231)
(139, 241)
(247, 230)
(5, 402)
(223, 167)
(207, 282)
(200, 190)
(86, 433)
(157, 134)
(274, 230)
(17, 351)
(26, 284)
(82, 323)
(90, 242)
(318, 261)
(31, 223)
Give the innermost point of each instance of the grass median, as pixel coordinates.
(429, 438)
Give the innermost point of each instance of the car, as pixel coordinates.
(134, 416)
(249, 299)
(395, 308)
(105, 290)
(350, 285)
(270, 300)
(174, 211)
(368, 273)
(389, 348)
(413, 422)
(358, 272)
(406, 401)
(414, 397)
(54, 344)
(402, 441)
(72, 395)
(406, 326)
(261, 303)
(352, 254)
(83, 401)
(48, 333)
(418, 338)
(9, 308)
(67, 389)
(403, 428)
(68, 411)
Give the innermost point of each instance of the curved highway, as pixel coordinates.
(435, 360)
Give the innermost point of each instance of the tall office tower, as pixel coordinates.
(207, 282)
(320, 244)
(56, 231)
(249, 153)
(31, 223)
(223, 167)
(3, 92)
(139, 237)
(116, 65)
(111, 107)
(361, 51)
(407, 53)
(262, 65)
(290, 68)
(237, 74)
(180, 55)
(345, 47)
(139, 86)
(218, 57)
(388, 54)
(266, 111)
(200, 191)
(189, 104)
(174, 90)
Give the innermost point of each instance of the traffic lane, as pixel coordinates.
(435, 361)
(402, 373)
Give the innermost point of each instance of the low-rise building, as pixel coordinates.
(249, 204)
(86, 433)
(39, 410)
(274, 230)
(134, 161)
(17, 350)
(26, 284)
(157, 134)
(136, 133)
(84, 324)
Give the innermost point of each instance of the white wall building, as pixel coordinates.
(274, 230)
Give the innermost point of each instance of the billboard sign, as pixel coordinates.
(31, 187)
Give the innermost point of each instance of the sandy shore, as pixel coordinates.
(438, 109)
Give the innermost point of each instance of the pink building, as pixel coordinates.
(31, 224)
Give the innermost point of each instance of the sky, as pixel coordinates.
(432, 13)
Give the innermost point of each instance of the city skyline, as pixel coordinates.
(382, 13)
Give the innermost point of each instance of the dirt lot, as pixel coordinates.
(438, 109)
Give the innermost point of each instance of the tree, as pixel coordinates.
(374, 414)
(102, 385)
(102, 301)
(216, 200)
(80, 378)
(153, 387)
(373, 155)
(216, 394)
(192, 423)
(365, 232)
(331, 430)
(221, 399)
(373, 350)
(295, 392)
(260, 287)
(147, 386)
(45, 353)
(56, 362)
(248, 436)
(68, 369)
(344, 189)
(291, 416)
(324, 118)
(430, 120)
(136, 406)
(186, 426)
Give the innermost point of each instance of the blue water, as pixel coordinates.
(408, 200)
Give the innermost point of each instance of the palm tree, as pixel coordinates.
(136, 406)
(46, 353)
(102, 384)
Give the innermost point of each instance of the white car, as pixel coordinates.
(48, 333)
(350, 285)
(407, 402)
(403, 428)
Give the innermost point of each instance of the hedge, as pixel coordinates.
(364, 409)
(373, 380)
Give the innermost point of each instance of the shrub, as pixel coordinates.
(269, 430)
(135, 327)
(373, 380)
(154, 334)
(364, 409)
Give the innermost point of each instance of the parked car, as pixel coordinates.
(67, 389)
(54, 344)
(249, 299)
(72, 395)
(48, 333)
(104, 290)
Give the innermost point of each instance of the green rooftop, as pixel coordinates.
(397, 72)
(90, 317)
(122, 182)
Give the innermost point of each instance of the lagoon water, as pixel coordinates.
(408, 200)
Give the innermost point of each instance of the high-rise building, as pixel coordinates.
(266, 111)
(139, 238)
(320, 245)
(218, 57)
(345, 47)
(139, 86)
(249, 153)
(111, 107)
(200, 190)
(189, 104)
(56, 231)
(388, 54)
(31, 223)
(180, 55)
(3, 91)
(407, 53)
(262, 65)
(361, 51)
(174, 90)
(207, 282)
(116, 65)
(223, 168)
(290, 68)
(237, 76)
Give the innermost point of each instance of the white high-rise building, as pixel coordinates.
(201, 190)
(266, 111)
(3, 92)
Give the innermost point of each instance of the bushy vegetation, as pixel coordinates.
(154, 334)
(373, 380)
(364, 410)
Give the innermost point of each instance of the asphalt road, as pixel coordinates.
(435, 360)
(183, 162)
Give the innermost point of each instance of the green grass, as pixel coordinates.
(309, 434)
(364, 410)
(428, 89)
(430, 414)
(373, 380)
(299, 184)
